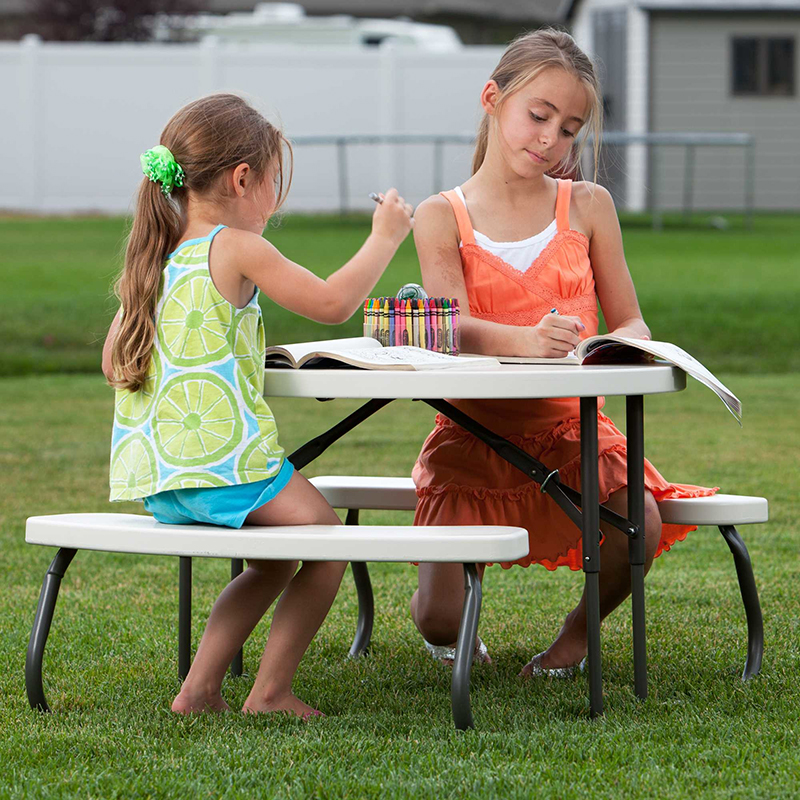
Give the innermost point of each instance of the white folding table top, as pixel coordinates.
(135, 533)
(510, 381)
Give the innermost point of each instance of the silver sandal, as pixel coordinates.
(445, 653)
(538, 671)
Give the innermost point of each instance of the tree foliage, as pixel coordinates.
(104, 20)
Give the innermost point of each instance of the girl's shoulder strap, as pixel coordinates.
(462, 216)
(213, 233)
(562, 204)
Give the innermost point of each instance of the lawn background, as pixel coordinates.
(729, 297)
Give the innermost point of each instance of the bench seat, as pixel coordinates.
(725, 511)
(139, 534)
(136, 533)
(398, 494)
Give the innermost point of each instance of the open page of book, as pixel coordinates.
(571, 359)
(299, 350)
(680, 358)
(405, 357)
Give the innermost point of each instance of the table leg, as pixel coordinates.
(465, 649)
(590, 492)
(636, 544)
(237, 665)
(184, 616)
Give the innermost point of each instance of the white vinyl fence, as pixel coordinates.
(75, 117)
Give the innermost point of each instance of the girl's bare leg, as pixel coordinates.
(437, 604)
(615, 584)
(245, 600)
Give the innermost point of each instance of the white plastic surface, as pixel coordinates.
(719, 509)
(347, 491)
(134, 533)
(510, 381)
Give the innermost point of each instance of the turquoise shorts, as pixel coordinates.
(223, 505)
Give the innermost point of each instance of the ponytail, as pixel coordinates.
(481, 143)
(157, 227)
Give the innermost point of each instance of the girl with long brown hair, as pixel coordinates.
(193, 437)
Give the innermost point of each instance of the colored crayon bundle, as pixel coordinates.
(432, 323)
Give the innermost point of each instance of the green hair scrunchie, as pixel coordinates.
(161, 167)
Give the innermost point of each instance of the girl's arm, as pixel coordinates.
(436, 237)
(335, 299)
(109, 343)
(612, 279)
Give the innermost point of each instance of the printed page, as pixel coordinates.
(683, 360)
(407, 357)
(299, 350)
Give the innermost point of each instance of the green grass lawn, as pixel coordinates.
(728, 297)
(111, 662)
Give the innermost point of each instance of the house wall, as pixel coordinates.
(691, 91)
(631, 161)
(77, 116)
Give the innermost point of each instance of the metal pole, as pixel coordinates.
(341, 148)
(636, 544)
(688, 183)
(184, 616)
(237, 665)
(658, 222)
(465, 649)
(438, 180)
(591, 548)
(750, 179)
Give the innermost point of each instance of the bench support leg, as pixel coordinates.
(465, 649)
(184, 616)
(636, 544)
(41, 627)
(366, 602)
(237, 665)
(590, 492)
(747, 586)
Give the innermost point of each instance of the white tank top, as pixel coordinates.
(521, 254)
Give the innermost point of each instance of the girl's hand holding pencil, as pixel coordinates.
(392, 218)
(555, 336)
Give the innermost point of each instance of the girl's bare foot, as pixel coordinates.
(287, 702)
(190, 701)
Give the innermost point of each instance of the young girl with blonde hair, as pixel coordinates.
(515, 244)
(192, 434)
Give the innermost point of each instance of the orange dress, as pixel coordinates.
(459, 479)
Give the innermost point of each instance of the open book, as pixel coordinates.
(368, 353)
(610, 349)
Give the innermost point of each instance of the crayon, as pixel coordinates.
(426, 314)
(376, 319)
(391, 322)
(385, 322)
(421, 322)
(456, 327)
(413, 339)
(446, 325)
(365, 327)
(408, 336)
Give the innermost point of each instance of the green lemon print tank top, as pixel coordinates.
(200, 419)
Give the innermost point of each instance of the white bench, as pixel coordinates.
(725, 511)
(133, 533)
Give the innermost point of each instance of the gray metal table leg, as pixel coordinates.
(465, 649)
(636, 544)
(237, 665)
(590, 493)
(41, 627)
(184, 616)
(747, 586)
(366, 602)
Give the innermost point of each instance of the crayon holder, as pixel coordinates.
(428, 322)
